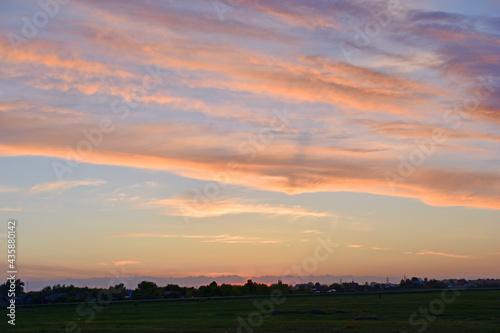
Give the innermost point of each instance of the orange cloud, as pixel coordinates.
(381, 248)
(236, 70)
(450, 255)
(419, 130)
(62, 186)
(5, 188)
(317, 232)
(316, 171)
(8, 209)
(193, 207)
(125, 262)
(228, 239)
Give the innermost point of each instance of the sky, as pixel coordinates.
(189, 138)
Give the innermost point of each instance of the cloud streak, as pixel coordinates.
(8, 209)
(226, 239)
(125, 262)
(223, 206)
(63, 186)
(443, 254)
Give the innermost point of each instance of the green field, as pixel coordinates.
(471, 311)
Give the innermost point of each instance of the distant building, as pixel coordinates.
(52, 298)
(352, 285)
(301, 285)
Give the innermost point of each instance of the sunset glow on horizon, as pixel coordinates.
(189, 138)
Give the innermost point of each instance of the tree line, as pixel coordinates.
(150, 290)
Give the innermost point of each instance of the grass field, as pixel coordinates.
(471, 311)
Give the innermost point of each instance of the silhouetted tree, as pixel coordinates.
(18, 288)
(147, 290)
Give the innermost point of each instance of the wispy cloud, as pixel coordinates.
(356, 246)
(381, 248)
(125, 262)
(225, 206)
(228, 239)
(8, 209)
(6, 188)
(62, 186)
(451, 255)
(331, 171)
(317, 232)
(240, 239)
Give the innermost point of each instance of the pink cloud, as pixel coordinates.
(450, 255)
(228, 239)
(125, 262)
